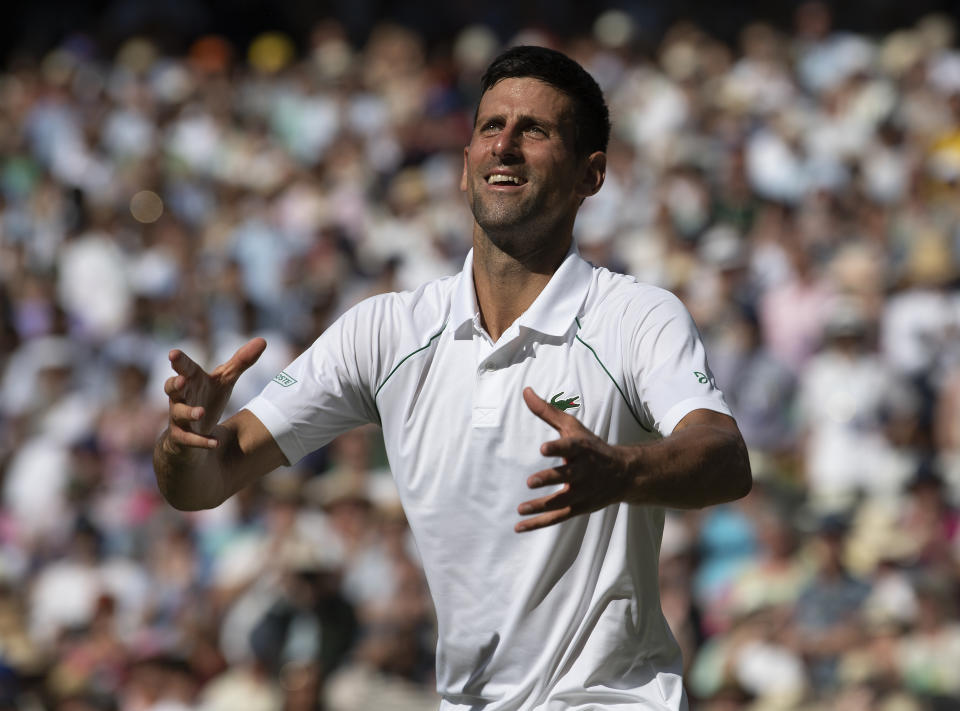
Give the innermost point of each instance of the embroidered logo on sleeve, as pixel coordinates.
(284, 379)
(701, 377)
(566, 403)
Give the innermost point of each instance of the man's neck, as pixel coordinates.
(505, 285)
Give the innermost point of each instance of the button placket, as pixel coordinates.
(487, 395)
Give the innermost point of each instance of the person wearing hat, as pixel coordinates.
(530, 384)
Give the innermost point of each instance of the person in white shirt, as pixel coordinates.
(529, 370)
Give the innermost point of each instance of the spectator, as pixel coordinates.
(826, 619)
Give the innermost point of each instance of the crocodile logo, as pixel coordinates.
(566, 403)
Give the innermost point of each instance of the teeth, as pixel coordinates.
(499, 178)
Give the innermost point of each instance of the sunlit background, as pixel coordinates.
(190, 174)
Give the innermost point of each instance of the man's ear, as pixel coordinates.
(594, 172)
(463, 176)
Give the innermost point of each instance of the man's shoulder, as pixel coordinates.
(406, 312)
(615, 294)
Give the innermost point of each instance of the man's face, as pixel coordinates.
(521, 173)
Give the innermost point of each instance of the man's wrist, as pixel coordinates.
(630, 466)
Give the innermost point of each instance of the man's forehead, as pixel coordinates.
(526, 96)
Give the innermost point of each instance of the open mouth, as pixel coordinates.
(505, 179)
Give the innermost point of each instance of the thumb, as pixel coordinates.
(250, 352)
(246, 355)
(543, 409)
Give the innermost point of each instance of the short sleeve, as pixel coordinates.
(668, 362)
(326, 390)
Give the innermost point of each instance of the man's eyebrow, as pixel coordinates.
(489, 117)
(521, 118)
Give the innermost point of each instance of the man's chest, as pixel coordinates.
(454, 416)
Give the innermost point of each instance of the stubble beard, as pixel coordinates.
(515, 226)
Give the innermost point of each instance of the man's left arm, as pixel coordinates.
(702, 462)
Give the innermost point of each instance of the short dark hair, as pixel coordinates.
(591, 116)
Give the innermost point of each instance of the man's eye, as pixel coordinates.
(537, 130)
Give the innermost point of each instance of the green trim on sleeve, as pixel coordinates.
(612, 379)
(405, 358)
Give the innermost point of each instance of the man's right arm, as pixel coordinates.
(200, 462)
(328, 389)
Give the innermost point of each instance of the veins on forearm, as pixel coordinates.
(695, 467)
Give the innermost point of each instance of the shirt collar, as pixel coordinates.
(554, 309)
(464, 307)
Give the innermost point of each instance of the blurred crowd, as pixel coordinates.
(800, 191)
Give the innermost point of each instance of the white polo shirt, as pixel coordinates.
(566, 617)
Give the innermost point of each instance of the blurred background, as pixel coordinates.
(190, 174)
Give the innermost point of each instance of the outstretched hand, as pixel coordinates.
(594, 474)
(197, 399)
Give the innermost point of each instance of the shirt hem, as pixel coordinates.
(685, 407)
(276, 424)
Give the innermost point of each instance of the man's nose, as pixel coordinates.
(507, 143)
